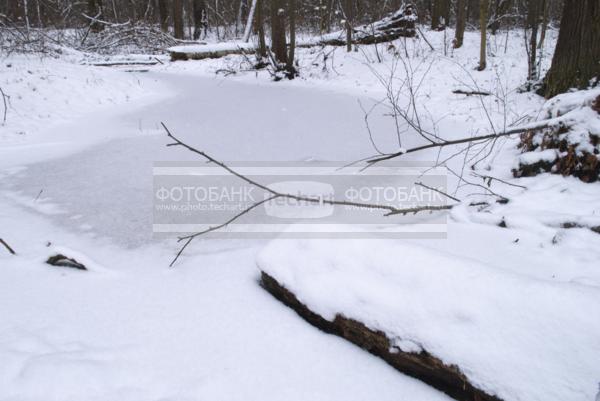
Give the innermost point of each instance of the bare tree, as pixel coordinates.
(178, 19)
(533, 14)
(461, 22)
(163, 15)
(292, 53)
(483, 8)
(278, 40)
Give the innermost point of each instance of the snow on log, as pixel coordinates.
(215, 50)
(420, 365)
(466, 327)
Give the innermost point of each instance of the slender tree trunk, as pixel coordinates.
(348, 9)
(260, 29)
(532, 24)
(278, 44)
(461, 21)
(26, 14)
(575, 62)
(292, 19)
(435, 14)
(200, 20)
(546, 8)
(163, 15)
(248, 29)
(39, 14)
(178, 19)
(483, 8)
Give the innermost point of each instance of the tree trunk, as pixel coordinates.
(278, 45)
(292, 55)
(435, 14)
(163, 15)
(461, 21)
(546, 9)
(260, 29)
(26, 14)
(249, 22)
(575, 61)
(348, 9)
(200, 20)
(483, 8)
(532, 24)
(178, 19)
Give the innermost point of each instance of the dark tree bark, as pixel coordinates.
(278, 43)
(575, 61)
(163, 15)
(178, 19)
(200, 18)
(435, 14)
(461, 22)
(260, 29)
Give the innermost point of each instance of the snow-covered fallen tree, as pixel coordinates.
(469, 329)
(571, 146)
(396, 25)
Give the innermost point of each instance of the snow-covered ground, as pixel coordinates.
(76, 158)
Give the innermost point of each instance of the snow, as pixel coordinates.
(76, 158)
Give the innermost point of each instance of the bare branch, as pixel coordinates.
(513, 131)
(7, 247)
(391, 210)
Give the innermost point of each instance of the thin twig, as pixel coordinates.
(438, 191)
(7, 246)
(4, 97)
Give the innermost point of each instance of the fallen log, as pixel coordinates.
(201, 52)
(470, 93)
(396, 25)
(124, 63)
(422, 365)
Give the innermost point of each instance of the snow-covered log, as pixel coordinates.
(217, 50)
(399, 24)
(422, 365)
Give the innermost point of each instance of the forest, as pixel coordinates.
(299, 200)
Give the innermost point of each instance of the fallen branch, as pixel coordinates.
(470, 93)
(391, 210)
(513, 131)
(7, 247)
(124, 63)
(4, 97)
